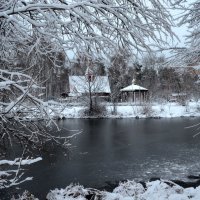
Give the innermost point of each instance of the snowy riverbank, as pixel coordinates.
(130, 190)
(127, 110)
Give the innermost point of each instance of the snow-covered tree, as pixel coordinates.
(118, 73)
(90, 89)
(79, 25)
(31, 30)
(190, 54)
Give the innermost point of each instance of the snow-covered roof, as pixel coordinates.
(132, 88)
(80, 84)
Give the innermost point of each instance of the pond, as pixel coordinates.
(110, 150)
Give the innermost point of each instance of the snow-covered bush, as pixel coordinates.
(156, 190)
(147, 110)
(98, 110)
(70, 192)
(129, 189)
(25, 196)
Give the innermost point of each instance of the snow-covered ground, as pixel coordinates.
(127, 110)
(130, 190)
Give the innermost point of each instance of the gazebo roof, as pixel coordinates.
(132, 88)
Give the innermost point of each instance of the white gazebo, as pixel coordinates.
(134, 93)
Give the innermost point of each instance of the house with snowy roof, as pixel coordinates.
(134, 93)
(89, 84)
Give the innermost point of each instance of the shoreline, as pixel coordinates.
(121, 111)
(129, 188)
(155, 188)
(120, 117)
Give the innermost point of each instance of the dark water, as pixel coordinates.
(119, 149)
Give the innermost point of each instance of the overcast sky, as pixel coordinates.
(181, 32)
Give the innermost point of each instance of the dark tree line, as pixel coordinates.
(151, 73)
(161, 80)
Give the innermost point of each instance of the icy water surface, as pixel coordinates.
(119, 149)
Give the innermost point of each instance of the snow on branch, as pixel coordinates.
(95, 25)
(23, 116)
(189, 16)
(13, 177)
(18, 161)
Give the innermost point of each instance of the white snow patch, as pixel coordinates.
(128, 110)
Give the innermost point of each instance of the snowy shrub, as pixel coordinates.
(71, 192)
(147, 110)
(129, 188)
(162, 107)
(136, 109)
(25, 196)
(161, 190)
(98, 110)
